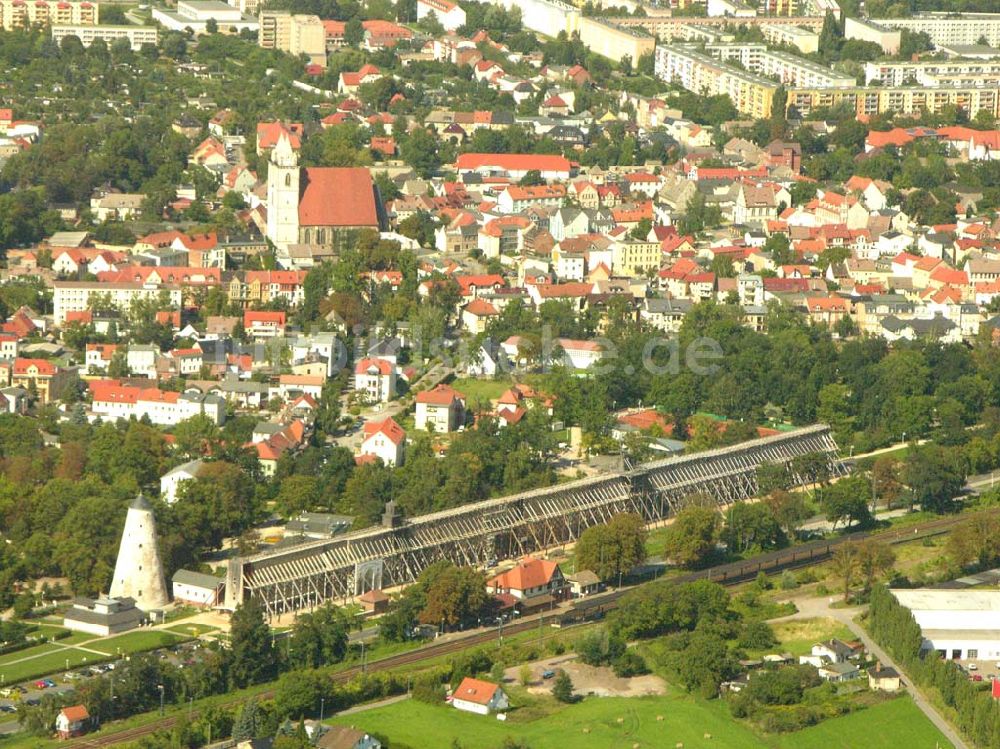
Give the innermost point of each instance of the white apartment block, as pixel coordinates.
(162, 407)
(945, 28)
(22, 14)
(751, 94)
(791, 70)
(870, 31)
(805, 40)
(294, 33)
(136, 35)
(79, 296)
(933, 72)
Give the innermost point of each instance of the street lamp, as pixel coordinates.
(499, 631)
(322, 706)
(160, 687)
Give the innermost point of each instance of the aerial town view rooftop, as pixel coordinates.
(516, 374)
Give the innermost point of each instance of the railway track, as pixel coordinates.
(728, 575)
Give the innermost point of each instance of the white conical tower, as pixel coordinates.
(138, 572)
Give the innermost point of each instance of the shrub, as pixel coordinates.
(757, 636)
(562, 689)
(788, 580)
(630, 663)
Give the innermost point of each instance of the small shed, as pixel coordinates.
(72, 721)
(374, 601)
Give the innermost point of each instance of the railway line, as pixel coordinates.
(731, 574)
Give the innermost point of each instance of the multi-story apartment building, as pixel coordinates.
(41, 376)
(900, 99)
(752, 94)
(79, 296)
(614, 41)
(934, 73)
(21, 14)
(869, 31)
(165, 408)
(294, 33)
(791, 70)
(804, 40)
(136, 35)
(948, 28)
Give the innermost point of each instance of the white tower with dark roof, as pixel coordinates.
(283, 178)
(138, 572)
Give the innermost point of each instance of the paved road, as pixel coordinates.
(810, 608)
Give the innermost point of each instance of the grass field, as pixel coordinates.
(51, 658)
(134, 642)
(480, 390)
(591, 724)
(890, 724)
(594, 724)
(189, 630)
(799, 635)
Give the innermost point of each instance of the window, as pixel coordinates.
(973, 654)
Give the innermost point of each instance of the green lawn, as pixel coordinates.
(480, 390)
(134, 642)
(53, 662)
(890, 724)
(594, 724)
(27, 653)
(189, 630)
(591, 724)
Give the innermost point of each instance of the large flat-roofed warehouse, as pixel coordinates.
(958, 624)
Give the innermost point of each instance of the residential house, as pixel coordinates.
(375, 380)
(482, 697)
(441, 409)
(41, 377)
(528, 580)
(385, 440)
(197, 589)
(171, 481)
(883, 679)
(580, 354)
(347, 737)
(263, 324)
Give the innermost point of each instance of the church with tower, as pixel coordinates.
(318, 206)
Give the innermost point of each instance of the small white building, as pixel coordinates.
(196, 589)
(477, 696)
(448, 13)
(171, 481)
(384, 439)
(580, 354)
(141, 360)
(103, 616)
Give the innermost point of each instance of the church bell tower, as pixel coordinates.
(283, 194)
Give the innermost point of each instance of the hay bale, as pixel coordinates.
(679, 745)
(708, 735)
(659, 718)
(586, 730)
(635, 746)
(619, 721)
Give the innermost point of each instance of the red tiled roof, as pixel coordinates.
(338, 196)
(75, 713)
(475, 690)
(481, 308)
(388, 426)
(442, 395)
(262, 316)
(530, 573)
(381, 366)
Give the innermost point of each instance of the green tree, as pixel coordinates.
(613, 549)
(251, 650)
(562, 687)
(703, 663)
(691, 539)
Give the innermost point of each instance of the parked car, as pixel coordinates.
(977, 677)
(973, 667)
(548, 674)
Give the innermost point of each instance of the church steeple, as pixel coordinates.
(283, 178)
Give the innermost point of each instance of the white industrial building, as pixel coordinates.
(958, 624)
(195, 15)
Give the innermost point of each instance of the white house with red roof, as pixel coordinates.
(264, 323)
(385, 440)
(449, 14)
(529, 579)
(477, 696)
(113, 400)
(375, 380)
(476, 314)
(441, 409)
(72, 720)
(580, 354)
(513, 165)
(351, 81)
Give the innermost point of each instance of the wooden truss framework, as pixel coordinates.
(304, 576)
